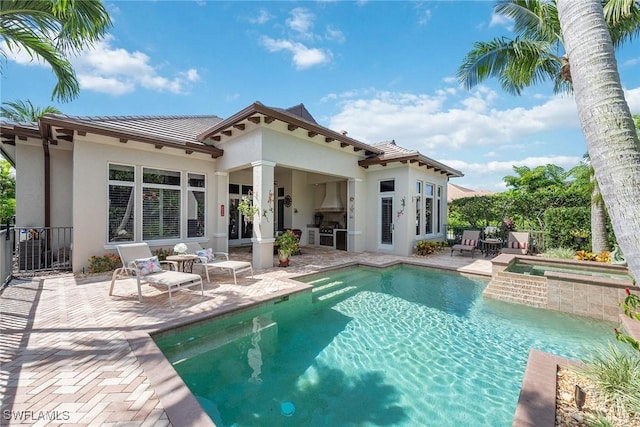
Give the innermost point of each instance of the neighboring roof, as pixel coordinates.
(175, 131)
(457, 192)
(296, 117)
(391, 153)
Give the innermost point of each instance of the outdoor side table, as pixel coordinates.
(491, 246)
(185, 262)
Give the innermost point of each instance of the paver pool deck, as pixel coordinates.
(64, 355)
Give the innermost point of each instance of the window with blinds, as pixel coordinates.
(121, 203)
(161, 192)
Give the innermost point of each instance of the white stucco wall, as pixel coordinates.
(91, 157)
(29, 183)
(61, 169)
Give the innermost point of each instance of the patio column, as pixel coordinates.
(263, 198)
(220, 236)
(356, 215)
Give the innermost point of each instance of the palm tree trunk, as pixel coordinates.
(612, 142)
(599, 241)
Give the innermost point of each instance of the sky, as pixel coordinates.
(379, 70)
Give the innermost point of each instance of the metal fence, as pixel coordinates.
(42, 249)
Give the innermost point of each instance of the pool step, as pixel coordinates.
(262, 327)
(334, 289)
(518, 289)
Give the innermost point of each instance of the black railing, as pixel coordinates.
(43, 248)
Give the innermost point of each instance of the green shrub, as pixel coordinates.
(563, 253)
(561, 223)
(616, 375)
(106, 262)
(427, 247)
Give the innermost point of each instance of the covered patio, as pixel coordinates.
(67, 348)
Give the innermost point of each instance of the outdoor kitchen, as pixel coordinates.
(330, 219)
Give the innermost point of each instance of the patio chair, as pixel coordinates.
(208, 259)
(469, 242)
(517, 243)
(138, 260)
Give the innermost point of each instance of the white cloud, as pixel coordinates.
(125, 71)
(633, 99)
(500, 20)
(422, 122)
(20, 55)
(334, 35)
(262, 18)
(116, 71)
(301, 21)
(303, 56)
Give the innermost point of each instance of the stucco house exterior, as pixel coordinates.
(169, 179)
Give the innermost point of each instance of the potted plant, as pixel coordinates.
(287, 243)
(247, 208)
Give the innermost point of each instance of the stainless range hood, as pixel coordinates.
(332, 201)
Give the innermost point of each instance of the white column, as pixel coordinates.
(356, 215)
(263, 197)
(220, 212)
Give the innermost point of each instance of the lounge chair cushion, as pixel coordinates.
(207, 253)
(518, 245)
(148, 265)
(469, 242)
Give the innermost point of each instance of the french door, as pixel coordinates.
(386, 221)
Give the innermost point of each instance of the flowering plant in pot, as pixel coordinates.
(287, 243)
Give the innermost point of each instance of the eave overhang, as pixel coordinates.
(66, 128)
(411, 159)
(259, 113)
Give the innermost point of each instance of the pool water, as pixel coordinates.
(404, 346)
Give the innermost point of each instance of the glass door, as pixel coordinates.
(386, 220)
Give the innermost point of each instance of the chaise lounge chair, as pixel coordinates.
(469, 242)
(138, 260)
(517, 243)
(208, 259)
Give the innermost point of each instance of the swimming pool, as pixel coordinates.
(395, 347)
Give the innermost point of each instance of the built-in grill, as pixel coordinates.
(326, 233)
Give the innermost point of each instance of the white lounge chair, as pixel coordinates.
(208, 259)
(517, 243)
(469, 242)
(138, 260)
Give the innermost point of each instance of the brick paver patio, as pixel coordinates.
(65, 350)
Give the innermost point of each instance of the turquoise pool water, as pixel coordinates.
(404, 346)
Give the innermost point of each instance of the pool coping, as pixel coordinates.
(537, 400)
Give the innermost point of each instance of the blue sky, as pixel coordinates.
(379, 70)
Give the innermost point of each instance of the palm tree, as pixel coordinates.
(51, 30)
(607, 124)
(24, 111)
(587, 183)
(535, 54)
